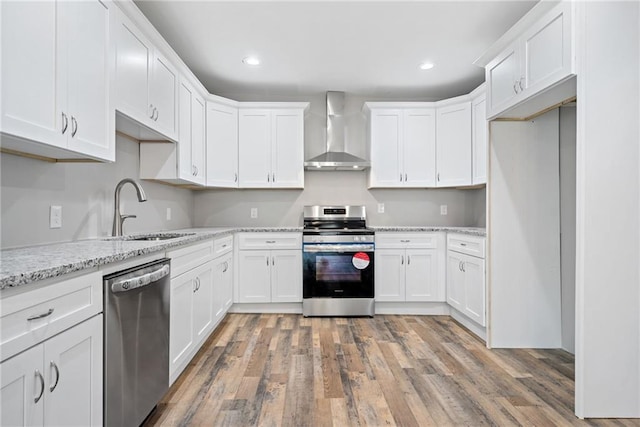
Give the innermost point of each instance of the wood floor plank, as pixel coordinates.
(287, 370)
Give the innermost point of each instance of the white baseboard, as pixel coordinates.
(409, 308)
(267, 307)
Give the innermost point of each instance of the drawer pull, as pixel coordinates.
(271, 241)
(38, 397)
(463, 244)
(42, 315)
(54, 366)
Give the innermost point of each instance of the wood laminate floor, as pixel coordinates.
(287, 370)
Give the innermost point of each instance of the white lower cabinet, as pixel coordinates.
(409, 267)
(192, 303)
(466, 276)
(57, 382)
(223, 285)
(267, 274)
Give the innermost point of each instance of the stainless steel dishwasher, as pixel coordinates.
(136, 342)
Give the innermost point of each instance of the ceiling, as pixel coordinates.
(366, 48)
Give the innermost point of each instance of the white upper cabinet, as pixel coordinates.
(55, 79)
(479, 136)
(402, 145)
(453, 145)
(222, 145)
(540, 58)
(184, 162)
(146, 83)
(271, 147)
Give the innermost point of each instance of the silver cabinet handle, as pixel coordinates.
(54, 366)
(463, 268)
(74, 126)
(515, 86)
(273, 260)
(270, 241)
(273, 177)
(39, 375)
(236, 177)
(400, 177)
(226, 267)
(520, 83)
(460, 265)
(40, 316)
(463, 244)
(408, 259)
(405, 177)
(196, 168)
(65, 123)
(267, 260)
(157, 113)
(151, 108)
(402, 260)
(438, 176)
(268, 177)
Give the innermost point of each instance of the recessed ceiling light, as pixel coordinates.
(426, 66)
(251, 60)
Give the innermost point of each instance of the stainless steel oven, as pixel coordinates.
(338, 262)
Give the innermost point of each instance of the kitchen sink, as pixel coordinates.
(153, 237)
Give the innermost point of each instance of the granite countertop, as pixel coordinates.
(472, 231)
(29, 264)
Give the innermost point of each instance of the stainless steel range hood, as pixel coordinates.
(335, 158)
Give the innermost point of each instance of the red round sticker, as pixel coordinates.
(360, 260)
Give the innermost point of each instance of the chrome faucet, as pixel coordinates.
(118, 219)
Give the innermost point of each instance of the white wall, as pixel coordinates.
(284, 207)
(85, 192)
(568, 225)
(608, 210)
(524, 234)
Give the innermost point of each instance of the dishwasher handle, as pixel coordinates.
(146, 277)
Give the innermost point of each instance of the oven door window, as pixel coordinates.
(338, 275)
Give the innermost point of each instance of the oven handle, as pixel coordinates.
(337, 248)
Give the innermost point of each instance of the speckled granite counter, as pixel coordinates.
(472, 231)
(30, 264)
(26, 265)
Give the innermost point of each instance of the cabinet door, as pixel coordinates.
(181, 328)
(186, 169)
(31, 76)
(286, 276)
(547, 50)
(422, 275)
(479, 139)
(254, 276)
(163, 96)
(222, 146)
(73, 366)
(390, 275)
(386, 150)
(254, 143)
(87, 50)
(203, 310)
(219, 287)
(132, 70)
(419, 142)
(474, 289)
(454, 145)
(227, 282)
(503, 78)
(287, 149)
(455, 281)
(20, 385)
(198, 139)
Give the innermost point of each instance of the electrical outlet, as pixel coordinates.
(254, 212)
(380, 207)
(168, 214)
(443, 209)
(55, 216)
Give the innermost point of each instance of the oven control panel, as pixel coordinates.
(341, 238)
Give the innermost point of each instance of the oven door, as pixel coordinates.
(338, 271)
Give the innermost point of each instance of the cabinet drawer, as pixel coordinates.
(470, 245)
(407, 240)
(52, 309)
(184, 259)
(261, 241)
(222, 245)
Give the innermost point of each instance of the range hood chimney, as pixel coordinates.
(335, 158)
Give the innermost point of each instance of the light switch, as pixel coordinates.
(443, 209)
(55, 216)
(168, 214)
(254, 212)
(380, 207)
